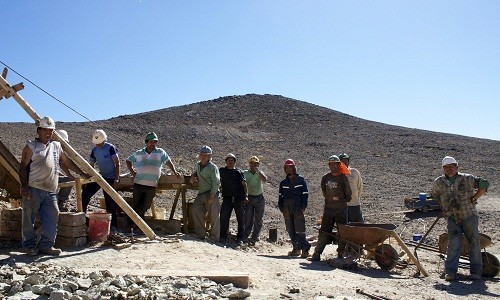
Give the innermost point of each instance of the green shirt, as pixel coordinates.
(208, 178)
(254, 183)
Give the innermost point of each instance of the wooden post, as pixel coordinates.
(408, 252)
(78, 191)
(174, 205)
(82, 163)
(185, 218)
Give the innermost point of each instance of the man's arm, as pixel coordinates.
(131, 168)
(116, 161)
(171, 166)
(23, 171)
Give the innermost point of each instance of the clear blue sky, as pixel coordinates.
(431, 65)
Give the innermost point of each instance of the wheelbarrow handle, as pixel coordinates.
(427, 233)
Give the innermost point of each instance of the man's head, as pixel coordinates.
(99, 137)
(230, 160)
(254, 163)
(151, 140)
(334, 163)
(205, 154)
(344, 157)
(450, 166)
(290, 167)
(45, 127)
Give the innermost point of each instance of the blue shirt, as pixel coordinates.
(103, 157)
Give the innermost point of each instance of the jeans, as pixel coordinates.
(142, 198)
(330, 217)
(470, 229)
(200, 210)
(90, 189)
(45, 204)
(228, 204)
(254, 213)
(354, 214)
(295, 224)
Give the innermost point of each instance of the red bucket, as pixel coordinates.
(99, 225)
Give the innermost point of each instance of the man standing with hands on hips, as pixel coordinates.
(458, 194)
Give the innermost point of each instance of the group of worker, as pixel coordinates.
(242, 191)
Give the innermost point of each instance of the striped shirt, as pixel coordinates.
(148, 165)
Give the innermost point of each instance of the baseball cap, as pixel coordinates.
(206, 150)
(448, 160)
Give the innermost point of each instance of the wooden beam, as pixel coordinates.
(78, 191)
(174, 205)
(408, 252)
(83, 164)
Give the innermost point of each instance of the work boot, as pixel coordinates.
(474, 277)
(304, 254)
(294, 252)
(32, 252)
(315, 257)
(449, 277)
(51, 251)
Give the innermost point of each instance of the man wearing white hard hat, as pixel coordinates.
(105, 155)
(39, 174)
(458, 194)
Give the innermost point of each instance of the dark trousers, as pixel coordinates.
(228, 204)
(330, 217)
(295, 224)
(90, 189)
(142, 198)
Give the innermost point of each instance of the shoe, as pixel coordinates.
(251, 243)
(294, 252)
(304, 254)
(32, 252)
(51, 251)
(474, 277)
(449, 277)
(315, 257)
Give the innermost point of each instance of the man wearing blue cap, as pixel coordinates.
(207, 178)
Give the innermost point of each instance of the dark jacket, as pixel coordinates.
(296, 192)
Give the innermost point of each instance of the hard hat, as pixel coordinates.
(46, 122)
(151, 136)
(230, 155)
(289, 162)
(343, 155)
(333, 158)
(254, 159)
(63, 134)
(99, 136)
(448, 160)
(206, 150)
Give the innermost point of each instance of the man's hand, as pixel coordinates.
(25, 192)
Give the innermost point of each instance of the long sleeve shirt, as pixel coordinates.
(296, 192)
(208, 178)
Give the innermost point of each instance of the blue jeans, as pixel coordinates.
(354, 214)
(295, 224)
(470, 229)
(254, 213)
(45, 204)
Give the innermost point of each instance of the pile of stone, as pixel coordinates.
(37, 280)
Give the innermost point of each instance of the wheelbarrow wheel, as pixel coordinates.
(386, 257)
(491, 265)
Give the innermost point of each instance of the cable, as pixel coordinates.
(61, 102)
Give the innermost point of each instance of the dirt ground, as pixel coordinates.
(273, 275)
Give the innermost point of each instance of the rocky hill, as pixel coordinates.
(394, 161)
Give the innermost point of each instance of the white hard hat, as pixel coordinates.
(448, 160)
(99, 136)
(230, 155)
(46, 122)
(63, 134)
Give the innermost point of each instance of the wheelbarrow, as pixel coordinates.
(371, 238)
(491, 264)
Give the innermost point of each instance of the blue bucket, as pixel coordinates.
(417, 237)
(422, 196)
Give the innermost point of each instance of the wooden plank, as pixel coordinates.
(84, 165)
(410, 255)
(239, 279)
